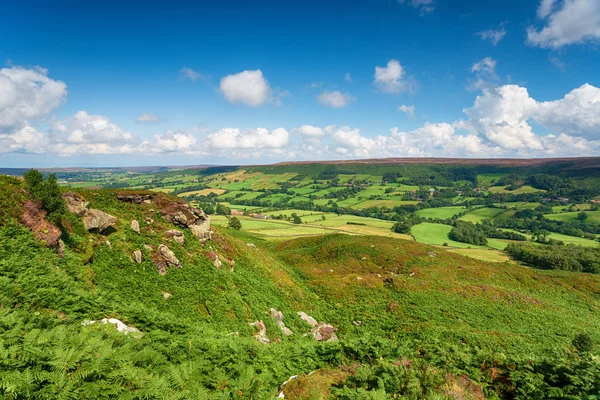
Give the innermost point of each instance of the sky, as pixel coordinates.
(124, 83)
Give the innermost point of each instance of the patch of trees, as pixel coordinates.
(568, 258)
(467, 232)
(48, 193)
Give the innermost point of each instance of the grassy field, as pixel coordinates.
(312, 225)
(521, 190)
(437, 234)
(480, 214)
(203, 192)
(593, 217)
(442, 212)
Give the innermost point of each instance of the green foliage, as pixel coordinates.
(568, 258)
(583, 342)
(48, 192)
(296, 219)
(234, 223)
(582, 216)
(223, 210)
(467, 232)
(402, 227)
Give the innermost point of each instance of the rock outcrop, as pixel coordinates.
(186, 216)
(120, 325)
(76, 203)
(321, 331)
(135, 226)
(93, 220)
(278, 316)
(165, 258)
(135, 198)
(176, 235)
(261, 336)
(96, 220)
(138, 256)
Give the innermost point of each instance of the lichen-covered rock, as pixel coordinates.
(75, 203)
(308, 319)
(186, 216)
(96, 220)
(138, 256)
(322, 332)
(135, 198)
(176, 235)
(261, 336)
(165, 258)
(278, 316)
(34, 217)
(135, 226)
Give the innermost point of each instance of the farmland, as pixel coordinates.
(369, 198)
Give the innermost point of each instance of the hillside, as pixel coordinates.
(410, 319)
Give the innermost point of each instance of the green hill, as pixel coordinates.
(412, 321)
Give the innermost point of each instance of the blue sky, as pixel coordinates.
(254, 82)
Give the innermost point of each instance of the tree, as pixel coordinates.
(48, 192)
(223, 210)
(402, 227)
(234, 222)
(296, 219)
(582, 216)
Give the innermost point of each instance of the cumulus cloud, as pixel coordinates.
(247, 87)
(310, 130)
(24, 140)
(408, 110)
(493, 35)
(188, 73)
(566, 22)
(147, 118)
(424, 6)
(27, 95)
(335, 99)
(577, 113)
(83, 128)
(172, 142)
(392, 79)
(259, 138)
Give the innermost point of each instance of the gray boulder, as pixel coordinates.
(96, 220)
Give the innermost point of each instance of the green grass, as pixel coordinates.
(437, 234)
(593, 217)
(441, 212)
(480, 214)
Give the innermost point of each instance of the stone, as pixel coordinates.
(166, 295)
(324, 333)
(278, 317)
(138, 256)
(148, 247)
(308, 319)
(252, 245)
(75, 203)
(202, 230)
(180, 219)
(135, 198)
(176, 235)
(261, 336)
(165, 258)
(357, 323)
(120, 325)
(217, 262)
(135, 226)
(60, 250)
(96, 220)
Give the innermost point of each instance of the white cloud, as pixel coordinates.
(391, 79)
(259, 138)
(247, 87)
(24, 140)
(188, 73)
(335, 99)
(147, 118)
(501, 115)
(573, 21)
(408, 110)
(485, 74)
(27, 95)
(310, 130)
(577, 113)
(348, 77)
(424, 6)
(83, 128)
(493, 35)
(172, 142)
